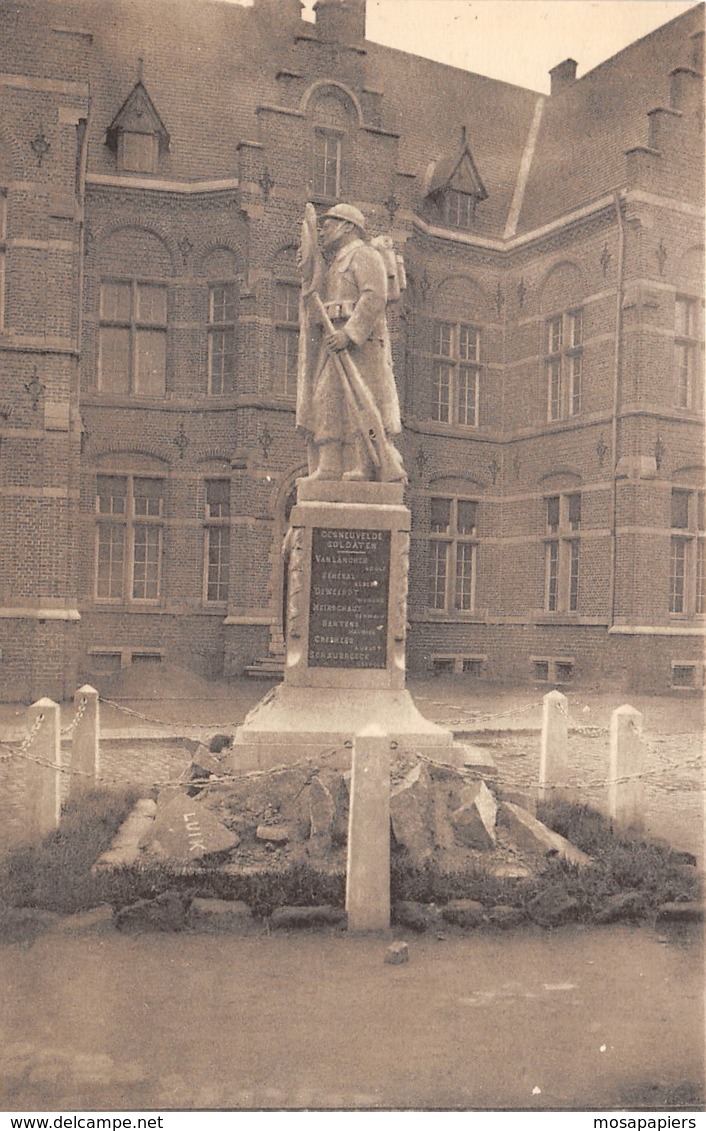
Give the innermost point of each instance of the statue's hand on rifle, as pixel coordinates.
(337, 340)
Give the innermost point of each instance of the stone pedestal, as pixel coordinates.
(346, 627)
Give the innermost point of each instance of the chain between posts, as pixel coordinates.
(161, 722)
(80, 712)
(27, 741)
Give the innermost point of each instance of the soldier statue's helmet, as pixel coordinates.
(347, 212)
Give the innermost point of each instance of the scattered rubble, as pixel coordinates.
(397, 954)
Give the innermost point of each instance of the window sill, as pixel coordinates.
(436, 428)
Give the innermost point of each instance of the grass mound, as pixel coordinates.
(55, 875)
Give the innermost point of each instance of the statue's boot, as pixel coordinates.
(330, 463)
(360, 472)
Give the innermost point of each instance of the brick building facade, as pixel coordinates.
(155, 159)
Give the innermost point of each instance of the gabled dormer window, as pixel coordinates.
(137, 134)
(454, 187)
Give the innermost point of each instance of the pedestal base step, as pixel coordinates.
(295, 724)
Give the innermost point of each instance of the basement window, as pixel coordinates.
(142, 659)
(540, 670)
(684, 675)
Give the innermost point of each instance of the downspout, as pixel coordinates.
(81, 172)
(617, 368)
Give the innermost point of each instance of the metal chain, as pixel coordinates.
(161, 722)
(80, 712)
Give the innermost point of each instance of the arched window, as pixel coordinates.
(457, 354)
(563, 341)
(453, 549)
(133, 314)
(287, 288)
(332, 118)
(129, 537)
(221, 319)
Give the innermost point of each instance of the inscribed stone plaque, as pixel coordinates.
(350, 579)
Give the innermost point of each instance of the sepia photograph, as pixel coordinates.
(352, 561)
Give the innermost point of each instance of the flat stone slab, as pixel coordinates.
(324, 916)
(463, 912)
(218, 915)
(529, 833)
(184, 829)
(125, 848)
(687, 912)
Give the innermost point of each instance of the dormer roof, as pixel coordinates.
(138, 114)
(456, 170)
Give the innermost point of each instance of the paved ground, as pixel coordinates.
(575, 1019)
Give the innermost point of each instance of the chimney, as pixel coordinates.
(563, 75)
(340, 21)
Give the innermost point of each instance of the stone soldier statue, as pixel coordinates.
(347, 403)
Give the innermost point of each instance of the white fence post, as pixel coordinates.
(626, 790)
(85, 749)
(43, 775)
(368, 872)
(554, 752)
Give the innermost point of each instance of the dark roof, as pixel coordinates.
(208, 65)
(589, 125)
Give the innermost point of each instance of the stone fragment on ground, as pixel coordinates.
(167, 912)
(283, 918)
(397, 954)
(553, 906)
(409, 813)
(341, 797)
(185, 829)
(463, 912)
(203, 763)
(474, 820)
(218, 915)
(622, 905)
(274, 834)
(530, 834)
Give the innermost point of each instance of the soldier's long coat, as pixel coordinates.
(355, 298)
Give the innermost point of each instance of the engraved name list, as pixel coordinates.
(350, 577)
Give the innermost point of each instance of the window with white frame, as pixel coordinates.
(129, 538)
(3, 253)
(286, 338)
(687, 595)
(456, 369)
(564, 364)
(222, 311)
(562, 552)
(688, 347)
(460, 208)
(132, 355)
(453, 544)
(328, 155)
(216, 541)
